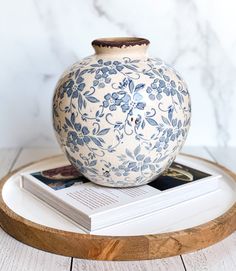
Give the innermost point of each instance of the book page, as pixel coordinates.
(71, 187)
(94, 198)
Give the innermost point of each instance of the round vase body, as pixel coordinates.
(120, 116)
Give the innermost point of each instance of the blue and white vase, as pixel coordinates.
(120, 116)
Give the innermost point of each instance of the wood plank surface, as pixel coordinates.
(221, 256)
(15, 256)
(168, 264)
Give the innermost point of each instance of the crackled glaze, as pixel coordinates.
(121, 117)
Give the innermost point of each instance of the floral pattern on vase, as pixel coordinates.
(121, 119)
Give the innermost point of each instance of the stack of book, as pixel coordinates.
(94, 207)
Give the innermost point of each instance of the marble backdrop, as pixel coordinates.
(40, 38)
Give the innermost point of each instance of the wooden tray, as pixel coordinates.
(179, 229)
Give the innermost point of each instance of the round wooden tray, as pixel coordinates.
(179, 229)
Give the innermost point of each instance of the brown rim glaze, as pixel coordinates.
(96, 247)
(120, 42)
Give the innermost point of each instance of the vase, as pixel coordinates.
(120, 116)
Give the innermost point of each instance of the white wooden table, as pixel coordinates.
(19, 257)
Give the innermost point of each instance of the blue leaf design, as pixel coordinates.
(68, 122)
(180, 98)
(140, 106)
(165, 120)
(147, 160)
(143, 124)
(84, 103)
(144, 167)
(83, 72)
(137, 150)
(140, 157)
(187, 122)
(135, 169)
(104, 131)
(101, 139)
(81, 86)
(179, 124)
(174, 122)
(75, 94)
(170, 113)
(72, 118)
(121, 92)
(86, 92)
(77, 73)
(97, 142)
(129, 153)
(130, 67)
(95, 65)
(132, 164)
(93, 163)
(92, 99)
(131, 85)
(77, 126)
(139, 86)
(151, 121)
(80, 101)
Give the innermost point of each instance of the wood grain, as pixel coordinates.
(221, 256)
(13, 254)
(120, 247)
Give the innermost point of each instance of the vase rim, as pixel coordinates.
(120, 42)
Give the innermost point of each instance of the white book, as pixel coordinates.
(94, 207)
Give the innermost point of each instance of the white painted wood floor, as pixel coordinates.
(19, 257)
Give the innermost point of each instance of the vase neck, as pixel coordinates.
(121, 47)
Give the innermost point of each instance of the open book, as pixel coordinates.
(94, 207)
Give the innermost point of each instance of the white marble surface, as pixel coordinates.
(40, 38)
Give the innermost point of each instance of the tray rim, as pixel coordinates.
(100, 247)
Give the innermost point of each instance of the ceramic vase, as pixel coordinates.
(120, 116)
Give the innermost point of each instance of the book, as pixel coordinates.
(93, 207)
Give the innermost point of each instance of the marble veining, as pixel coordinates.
(39, 39)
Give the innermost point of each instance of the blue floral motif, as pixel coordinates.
(101, 79)
(112, 101)
(134, 162)
(160, 87)
(66, 88)
(127, 102)
(80, 85)
(78, 138)
(104, 70)
(96, 119)
(134, 102)
(85, 167)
